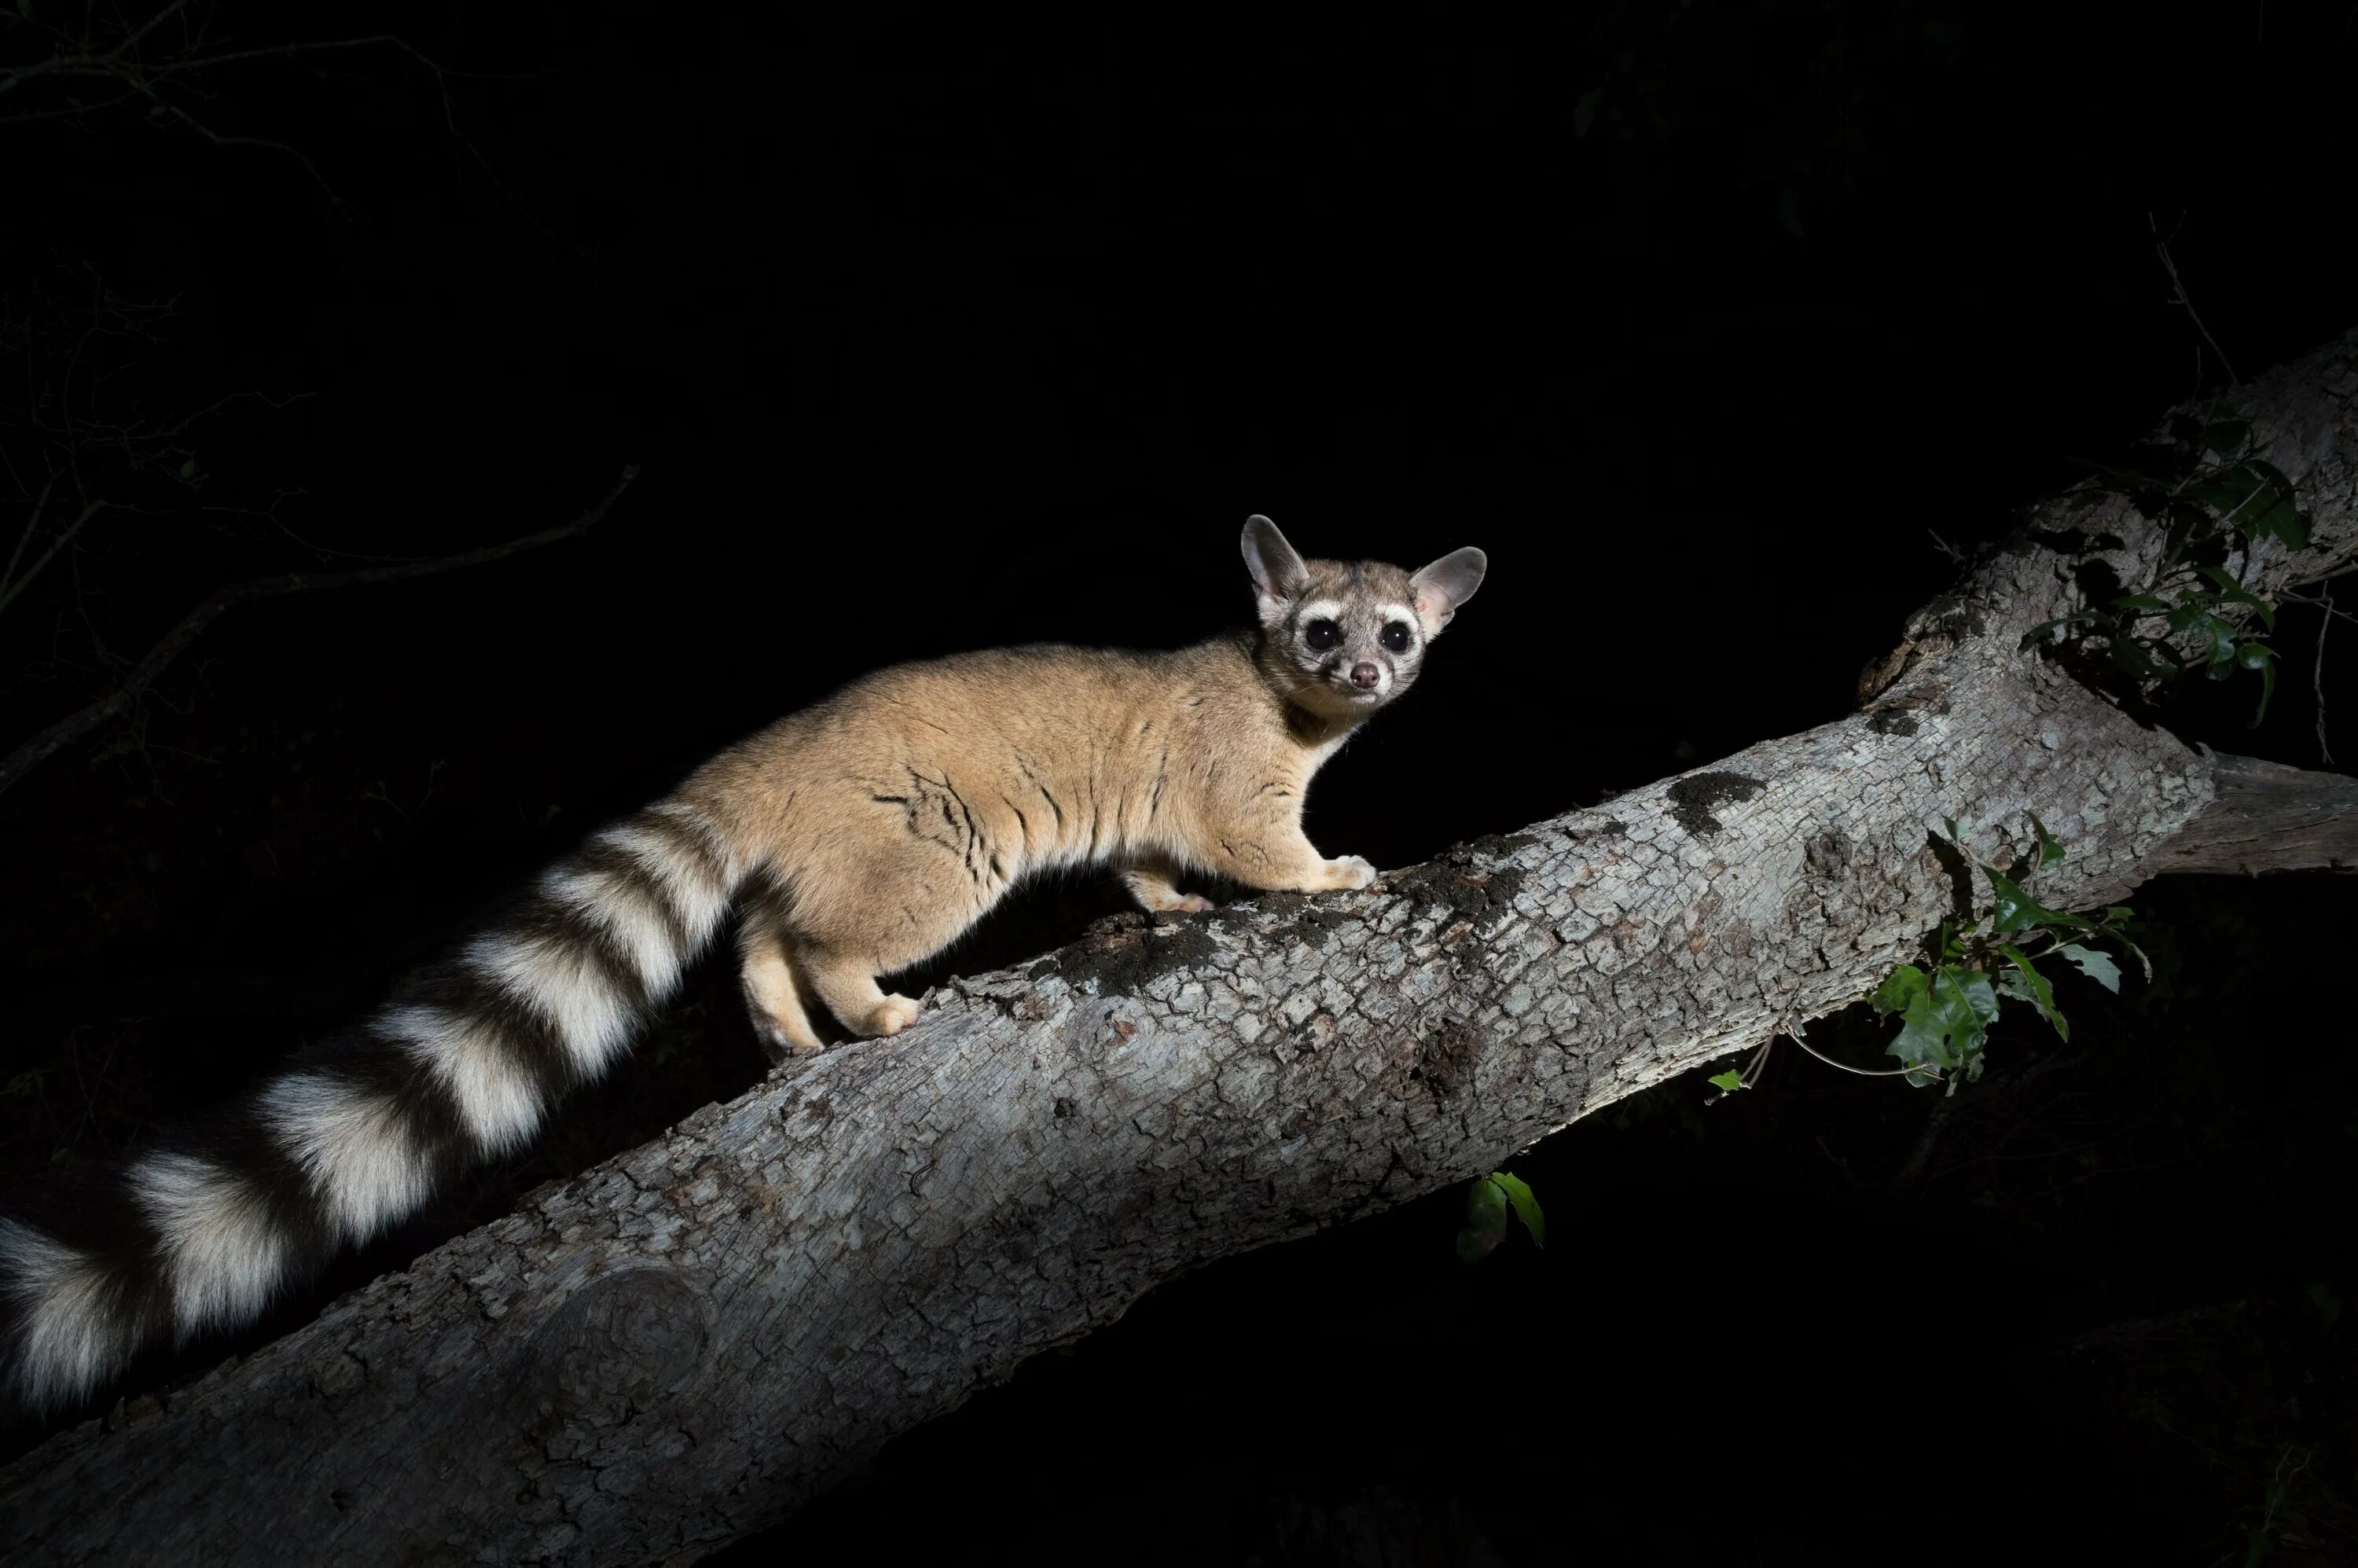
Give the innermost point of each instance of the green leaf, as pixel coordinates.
(2040, 994)
(2234, 592)
(2261, 657)
(2142, 660)
(189, 469)
(1526, 1207)
(2017, 910)
(1730, 1080)
(2097, 966)
(1486, 1221)
(2253, 602)
(2275, 514)
(2037, 634)
(2282, 521)
(1943, 1028)
(2136, 952)
(2144, 602)
(2231, 492)
(1906, 984)
(1973, 986)
(2256, 499)
(2186, 521)
(2225, 437)
(2193, 618)
(2050, 852)
(1583, 111)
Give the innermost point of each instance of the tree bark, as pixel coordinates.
(680, 1346)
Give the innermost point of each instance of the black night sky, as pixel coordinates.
(1712, 325)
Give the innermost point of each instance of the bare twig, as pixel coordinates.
(117, 64)
(147, 78)
(174, 642)
(32, 525)
(2178, 297)
(2322, 600)
(2317, 674)
(218, 140)
(13, 585)
(1794, 1033)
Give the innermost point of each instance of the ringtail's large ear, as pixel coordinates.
(1445, 584)
(1278, 574)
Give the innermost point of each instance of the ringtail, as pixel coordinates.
(853, 839)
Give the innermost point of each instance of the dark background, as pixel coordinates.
(1710, 324)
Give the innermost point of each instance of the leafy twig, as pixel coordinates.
(1945, 1014)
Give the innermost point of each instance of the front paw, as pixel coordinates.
(891, 1016)
(1348, 872)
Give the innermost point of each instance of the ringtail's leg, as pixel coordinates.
(846, 982)
(772, 996)
(1151, 882)
(1277, 856)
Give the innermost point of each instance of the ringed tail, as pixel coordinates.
(201, 1230)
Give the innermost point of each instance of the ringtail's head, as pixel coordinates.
(1343, 638)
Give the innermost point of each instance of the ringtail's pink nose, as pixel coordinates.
(1366, 676)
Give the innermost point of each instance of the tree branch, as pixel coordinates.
(680, 1346)
(175, 642)
(2267, 817)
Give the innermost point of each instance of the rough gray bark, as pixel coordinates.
(680, 1346)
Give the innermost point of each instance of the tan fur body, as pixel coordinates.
(881, 824)
(894, 816)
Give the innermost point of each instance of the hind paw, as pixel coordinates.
(781, 1045)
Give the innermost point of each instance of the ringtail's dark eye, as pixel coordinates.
(1395, 637)
(1322, 635)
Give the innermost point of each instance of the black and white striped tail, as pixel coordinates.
(203, 1230)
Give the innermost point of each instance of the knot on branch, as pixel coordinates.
(631, 1341)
